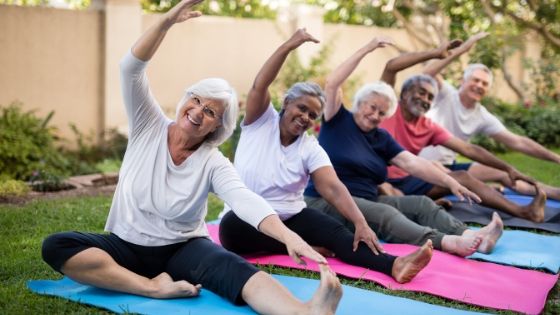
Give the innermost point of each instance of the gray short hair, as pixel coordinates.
(376, 88)
(477, 66)
(302, 89)
(217, 89)
(415, 80)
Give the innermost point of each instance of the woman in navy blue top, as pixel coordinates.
(360, 153)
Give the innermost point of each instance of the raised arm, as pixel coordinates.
(342, 72)
(146, 46)
(259, 97)
(408, 60)
(424, 169)
(435, 67)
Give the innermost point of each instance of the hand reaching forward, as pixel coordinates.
(463, 193)
(365, 234)
(182, 11)
(298, 248)
(516, 175)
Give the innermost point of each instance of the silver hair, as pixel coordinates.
(302, 89)
(216, 89)
(376, 88)
(416, 80)
(477, 66)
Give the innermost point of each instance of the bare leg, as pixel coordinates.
(486, 173)
(489, 234)
(491, 198)
(407, 267)
(267, 296)
(463, 245)
(95, 267)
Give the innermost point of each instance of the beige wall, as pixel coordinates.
(50, 60)
(67, 61)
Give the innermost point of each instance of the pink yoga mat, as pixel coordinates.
(468, 281)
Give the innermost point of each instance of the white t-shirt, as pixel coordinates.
(462, 122)
(157, 202)
(279, 174)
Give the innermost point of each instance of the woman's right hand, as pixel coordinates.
(182, 11)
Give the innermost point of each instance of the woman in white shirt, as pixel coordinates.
(158, 244)
(275, 158)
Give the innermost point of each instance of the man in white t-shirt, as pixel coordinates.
(460, 112)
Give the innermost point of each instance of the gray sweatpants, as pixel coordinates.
(407, 219)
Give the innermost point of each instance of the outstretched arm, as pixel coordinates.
(435, 67)
(335, 193)
(342, 72)
(408, 60)
(296, 246)
(424, 169)
(149, 42)
(481, 155)
(259, 97)
(526, 145)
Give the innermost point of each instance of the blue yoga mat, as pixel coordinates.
(525, 249)
(354, 300)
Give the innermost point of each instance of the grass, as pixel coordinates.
(23, 227)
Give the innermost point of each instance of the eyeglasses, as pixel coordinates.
(209, 112)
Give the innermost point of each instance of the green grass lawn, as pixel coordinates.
(22, 229)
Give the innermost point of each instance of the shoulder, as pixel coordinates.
(269, 115)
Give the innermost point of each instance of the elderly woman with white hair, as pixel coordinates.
(360, 153)
(276, 157)
(158, 244)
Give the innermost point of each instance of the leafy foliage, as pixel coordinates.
(27, 145)
(13, 188)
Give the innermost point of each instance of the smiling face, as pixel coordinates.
(372, 110)
(200, 116)
(418, 99)
(299, 115)
(475, 87)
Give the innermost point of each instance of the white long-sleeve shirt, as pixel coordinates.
(157, 202)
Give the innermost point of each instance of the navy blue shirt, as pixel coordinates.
(359, 158)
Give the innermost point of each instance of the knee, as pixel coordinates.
(51, 248)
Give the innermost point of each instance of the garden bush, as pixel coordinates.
(13, 188)
(27, 145)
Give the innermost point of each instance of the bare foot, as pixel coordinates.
(552, 193)
(166, 288)
(461, 245)
(407, 267)
(535, 210)
(490, 234)
(326, 298)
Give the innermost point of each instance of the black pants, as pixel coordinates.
(316, 228)
(198, 261)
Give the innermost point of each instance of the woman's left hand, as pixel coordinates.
(365, 234)
(298, 248)
(516, 175)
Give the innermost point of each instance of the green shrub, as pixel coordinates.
(27, 144)
(13, 188)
